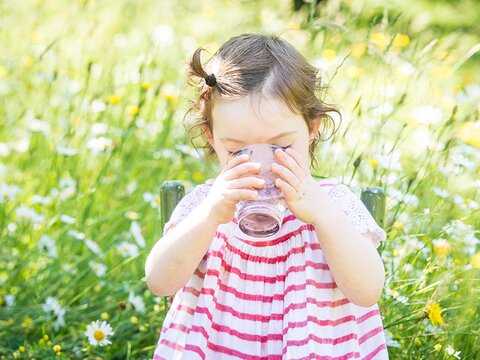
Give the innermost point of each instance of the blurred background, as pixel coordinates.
(92, 120)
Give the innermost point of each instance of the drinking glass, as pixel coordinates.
(263, 216)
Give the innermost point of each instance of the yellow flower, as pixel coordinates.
(475, 261)
(379, 39)
(45, 337)
(434, 314)
(293, 25)
(358, 49)
(197, 176)
(146, 85)
(469, 133)
(113, 99)
(57, 348)
(417, 341)
(441, 247)
(98, 288)
(104, 316)
(329, 54)
(27, 322)
(27, 61)
(133, 109)
(373, 163)
(401, 40)
(22, 348)
(132, 215)
(437, 347)
(134, 319)
(36, 37)
(354, 72)
(336, 38)
(398, 225)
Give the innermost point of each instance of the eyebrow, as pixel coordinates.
(274, 138)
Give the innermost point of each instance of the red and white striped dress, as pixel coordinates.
(274, 299)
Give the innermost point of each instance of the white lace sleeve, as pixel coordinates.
(358, 213)
(186, 204)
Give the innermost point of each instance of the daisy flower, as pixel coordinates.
(97, 333)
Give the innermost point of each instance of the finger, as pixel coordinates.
(286, 175)
(246, 182)
(244, 168)
(232, 162)
(241, 194)
(289, 162)
(288, 191)
(298, 158)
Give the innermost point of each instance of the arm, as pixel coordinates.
(354, 262)
(174, 258)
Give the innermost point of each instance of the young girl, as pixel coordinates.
(307, 292)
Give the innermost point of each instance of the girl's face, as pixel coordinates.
(245, 121)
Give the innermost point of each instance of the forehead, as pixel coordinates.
(250, 115)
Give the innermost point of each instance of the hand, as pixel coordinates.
(302, 192)
(230, 187)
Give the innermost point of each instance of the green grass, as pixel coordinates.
(68, 68)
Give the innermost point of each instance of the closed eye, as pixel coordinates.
(237, 151)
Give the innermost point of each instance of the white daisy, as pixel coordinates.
(76, 234)
(389, 340)
(97, 333)
(136, 232)
(8, 192)
(52, 304)
(101, 144)
(10, 299)
(48, 244)
(451, 351)
(64, 150)
(441, 192)
(389, 161)
(43, 200)
(25, 213)
(136, 301)
(97, 106)
(98, 268)
(127, 249)
(67, 219)
(154, 200)
(93, 246)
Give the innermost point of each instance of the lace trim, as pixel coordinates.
(357, 213)
(349, 202)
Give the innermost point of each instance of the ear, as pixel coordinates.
(314, 126)
(208, 134)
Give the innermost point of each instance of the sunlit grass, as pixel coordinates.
(92, 99)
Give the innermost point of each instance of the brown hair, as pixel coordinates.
(257, 63)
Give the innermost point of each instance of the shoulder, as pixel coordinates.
(349, 200)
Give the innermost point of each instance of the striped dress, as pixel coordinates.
(274, 299)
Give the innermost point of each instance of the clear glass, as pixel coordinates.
(263, 216)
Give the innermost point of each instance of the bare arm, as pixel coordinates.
(354, 262)
(174, 258)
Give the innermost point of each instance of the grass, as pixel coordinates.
(92, 98)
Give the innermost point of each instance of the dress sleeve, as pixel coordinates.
(357, 213)
(186, 204)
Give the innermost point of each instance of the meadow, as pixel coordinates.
(92, 120)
